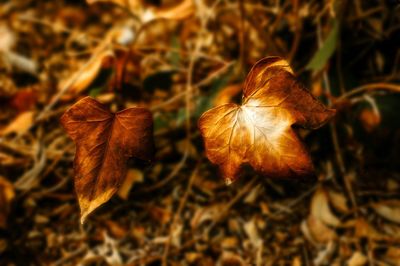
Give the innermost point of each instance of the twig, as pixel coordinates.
(333, 129)
(68, 85)
(171, 100)
(215, 74)
(178, 213)
(71, 255)
(298, 30)
(244, 190)
(368, 88)
(173, 173)
(242, 37)
(247, 188)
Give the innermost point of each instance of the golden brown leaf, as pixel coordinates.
(20, 124)
(389, 210)
(104, 142)
(321, 210)
(259, 132)
(132, 176)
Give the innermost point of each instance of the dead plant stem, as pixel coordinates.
(334, 135)
(177, 214)
(368, 88)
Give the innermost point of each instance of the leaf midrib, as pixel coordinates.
(109, 137)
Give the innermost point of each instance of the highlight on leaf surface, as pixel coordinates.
(259, 131)
(104, 143)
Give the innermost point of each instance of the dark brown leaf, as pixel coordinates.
(104, 142)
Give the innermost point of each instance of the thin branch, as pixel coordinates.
(368, 88)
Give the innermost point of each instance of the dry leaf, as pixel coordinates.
(20, 124)
(24, 100)
(7, 194)
(87, 74)
(159, 214)
(202, 215)
(321, 210)
(131, 4)
(358, 259)
(393, 255)
(181, 11)
(317, 226)
(115, 229)
(251, 230)
(338, 201)
(364, 229)
(389, 210)
(228, 259)
(132, 176)
(226, 94)
(316, 231)
(104, 142)
(324, 256)
(296, 261)
(8, 38)
(259, 131)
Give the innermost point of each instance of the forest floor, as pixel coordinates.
(178, 59)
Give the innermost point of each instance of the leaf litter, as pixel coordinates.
(54, 53)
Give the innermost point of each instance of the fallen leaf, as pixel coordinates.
(296, 261)
(132, 176)
(161, 215)
(251, 230)
(357, 259)
(259, 131)
(88, 72)
(338, 201)
(116, 230)
(321, 210)
(230, 242)
(392, 255)
(7, 194)
(364, 229)
(180, 11)
(8, 38)
(131, 4)
(24, 100)
(316, 231)
(20, 124)
(202, 215)
(104, 142)
(390, 210)
(193, 257)
(326, 254)
(228, 259)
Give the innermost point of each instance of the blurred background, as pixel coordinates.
(179, 58)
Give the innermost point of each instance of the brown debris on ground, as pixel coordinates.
(179, 58)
